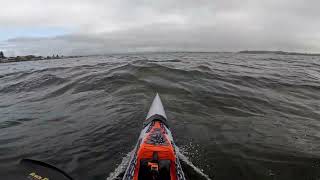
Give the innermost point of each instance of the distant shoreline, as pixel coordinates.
(239, 52)
(278, 52)
(56, 57)
(33, 58)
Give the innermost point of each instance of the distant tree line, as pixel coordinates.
(279, 52)
(32, 56)
(4, 59)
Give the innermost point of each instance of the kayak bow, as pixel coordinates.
(154, 156)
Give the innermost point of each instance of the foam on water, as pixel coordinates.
(185, 161)
(120, 169)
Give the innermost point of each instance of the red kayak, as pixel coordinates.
(154, 156)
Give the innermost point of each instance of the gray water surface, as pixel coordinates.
(234, 116)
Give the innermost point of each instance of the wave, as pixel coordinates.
(234, 106)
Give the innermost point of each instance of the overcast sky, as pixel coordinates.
(81, 27)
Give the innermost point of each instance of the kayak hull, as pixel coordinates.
(154, 156)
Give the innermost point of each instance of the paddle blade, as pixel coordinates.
(37, 170)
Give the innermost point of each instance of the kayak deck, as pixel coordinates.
(154, 156)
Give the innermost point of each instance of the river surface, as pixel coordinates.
(233, 116)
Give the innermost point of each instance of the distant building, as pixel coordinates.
(2, 55)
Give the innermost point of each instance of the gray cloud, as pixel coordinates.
(142, 25)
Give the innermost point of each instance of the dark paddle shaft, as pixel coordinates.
(37, 170)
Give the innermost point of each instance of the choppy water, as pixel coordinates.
(234, 116)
